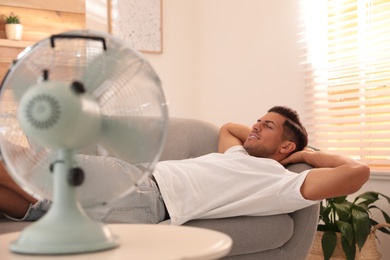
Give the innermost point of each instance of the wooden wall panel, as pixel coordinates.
(71, 6)
(7, 55)
(40, 19)
(3, 69)
(39, 24)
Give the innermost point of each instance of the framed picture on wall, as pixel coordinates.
(137, 22)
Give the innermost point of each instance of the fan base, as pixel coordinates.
(45, 238)
(65, 228)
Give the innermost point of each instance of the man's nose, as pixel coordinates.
(256, 127)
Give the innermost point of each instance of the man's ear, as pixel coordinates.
(288, 147)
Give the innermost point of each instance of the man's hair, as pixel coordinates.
(293, 130)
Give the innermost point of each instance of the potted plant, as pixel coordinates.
(13, 28)
(350, 221)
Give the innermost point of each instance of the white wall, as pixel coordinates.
(224, 60)
(248, 59)
(230, 61)
(178, 63)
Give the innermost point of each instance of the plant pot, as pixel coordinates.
(14, 31)
(369, 250)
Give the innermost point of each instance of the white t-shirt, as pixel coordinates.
(225, 185)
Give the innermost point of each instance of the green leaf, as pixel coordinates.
(12, 19)
(362, 225)
(322, 227)
(346, 230)
(338, 200)
(343, 210)
(385, 230)
(328, 241)
(386, 197)
(325, 214)
(385, 215)
(327, 218)
(369, 196)
(349, 249)
(362, 207)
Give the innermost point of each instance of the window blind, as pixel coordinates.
(347, 58)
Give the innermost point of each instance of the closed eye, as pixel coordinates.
(267, 123)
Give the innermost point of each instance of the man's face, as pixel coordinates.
(265, 140)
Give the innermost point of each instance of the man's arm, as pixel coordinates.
(334, 175)
(232, 134)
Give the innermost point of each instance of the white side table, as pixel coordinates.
(145, 242)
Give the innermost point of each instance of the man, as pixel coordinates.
(337, 175)
(246, 177)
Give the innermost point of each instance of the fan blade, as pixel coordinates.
(18, 88)
(97, 69)
(105, 67)
(29, 160)
(18, 85)
(133, 138)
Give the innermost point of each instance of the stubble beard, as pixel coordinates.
(259, 151)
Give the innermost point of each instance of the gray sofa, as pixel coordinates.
(285, 236)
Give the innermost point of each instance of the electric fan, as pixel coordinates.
(67, 104)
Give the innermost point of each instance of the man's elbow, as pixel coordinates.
(361, 174)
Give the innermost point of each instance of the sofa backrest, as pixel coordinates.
(188, 138)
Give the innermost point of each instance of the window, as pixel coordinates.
(347, 56)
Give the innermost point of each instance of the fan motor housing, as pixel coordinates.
(49, 111)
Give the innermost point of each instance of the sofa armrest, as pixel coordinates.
(251, 234)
